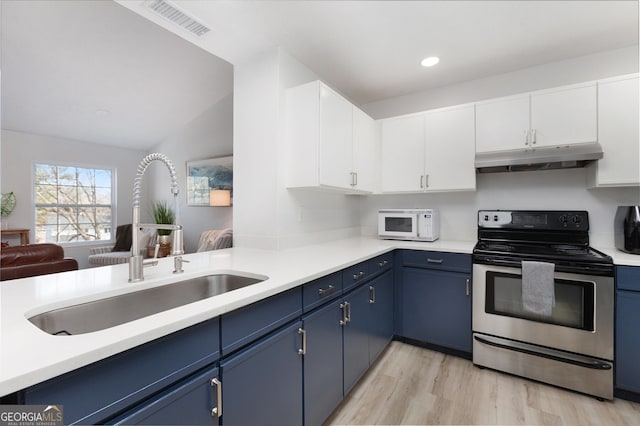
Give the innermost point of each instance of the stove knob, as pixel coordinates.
(495, 218)
(577, 220)
(563, 219)
(486, 217)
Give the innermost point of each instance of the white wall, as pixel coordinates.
(207, 136)
(21, 150)
(554, 189)
(267, 215)
(573, 70)
(549, 190)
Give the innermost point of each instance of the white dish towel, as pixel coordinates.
(538, 287)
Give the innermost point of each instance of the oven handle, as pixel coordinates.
(510, 263)
(588, 363)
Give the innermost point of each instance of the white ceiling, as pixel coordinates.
(55, 76)
(93, 71)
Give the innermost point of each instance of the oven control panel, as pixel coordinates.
(534, 219)
(493, 219)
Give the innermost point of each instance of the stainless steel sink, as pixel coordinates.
(112, 311)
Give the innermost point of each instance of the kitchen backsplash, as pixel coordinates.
(553, 189)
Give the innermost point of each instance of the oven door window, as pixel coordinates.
(573, 307)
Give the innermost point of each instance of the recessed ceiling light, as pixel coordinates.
(430, 61)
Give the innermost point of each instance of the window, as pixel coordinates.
(72, 204)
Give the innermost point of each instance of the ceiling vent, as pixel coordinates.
(172, 13)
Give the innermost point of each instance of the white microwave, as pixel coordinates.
(409, 224)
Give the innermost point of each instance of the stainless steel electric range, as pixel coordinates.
(569, 344)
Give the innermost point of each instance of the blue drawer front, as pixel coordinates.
(244, 325)
(628, 278)
(321, 290)
(94, 393)
(437, 260)
(381, 263)
(354, 275)
(188, 403)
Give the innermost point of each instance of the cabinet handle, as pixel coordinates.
(526, 137)
(358, 275)
(349, 311)
(421, 181)
(429, 260)
(372, 295)
(217, 410)
(327, 290)
(426, 181)
(467, 288)
(344, 319)
(533, 136)
(383, 264)
(303, 350)
(354, 179)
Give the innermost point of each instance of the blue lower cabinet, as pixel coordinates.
(436, 307)
(628, 341)
(193, 402)
(381, 314)
(355, 336)
(262, 384)
(322, 363)
(100, 391)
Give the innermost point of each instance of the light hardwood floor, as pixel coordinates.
(412, 385)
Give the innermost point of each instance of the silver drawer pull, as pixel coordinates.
(303, 350)
(372, 295)
(434, 260)
(327, 290)
(383, 264)
(358, 275)
(344, 319)
(217, 411)
(468, 289)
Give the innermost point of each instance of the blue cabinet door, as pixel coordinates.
(381, 314)
(322, 363)
(628, 340)
(436, 307)
(262, 384)
(189, 403)
(99, 391)
(356, 336)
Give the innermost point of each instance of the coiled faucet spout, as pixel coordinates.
(136, 262)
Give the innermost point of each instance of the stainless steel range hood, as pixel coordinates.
(561, 157)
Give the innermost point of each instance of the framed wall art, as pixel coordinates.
(209, 181)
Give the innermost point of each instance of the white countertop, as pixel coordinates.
(621, 258)
(29, 356)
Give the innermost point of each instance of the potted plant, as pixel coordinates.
(163, 214)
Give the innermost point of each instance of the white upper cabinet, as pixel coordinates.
(327, 141)
(432, 151)
(564, 116)
(502, 124)
(449, 154)
(556, 117)
(403, 154)
(335, 144)
(366, 151)
(618, 134)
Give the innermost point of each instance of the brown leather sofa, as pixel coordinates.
(33, 259)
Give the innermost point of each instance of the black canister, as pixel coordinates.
(627, 229)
